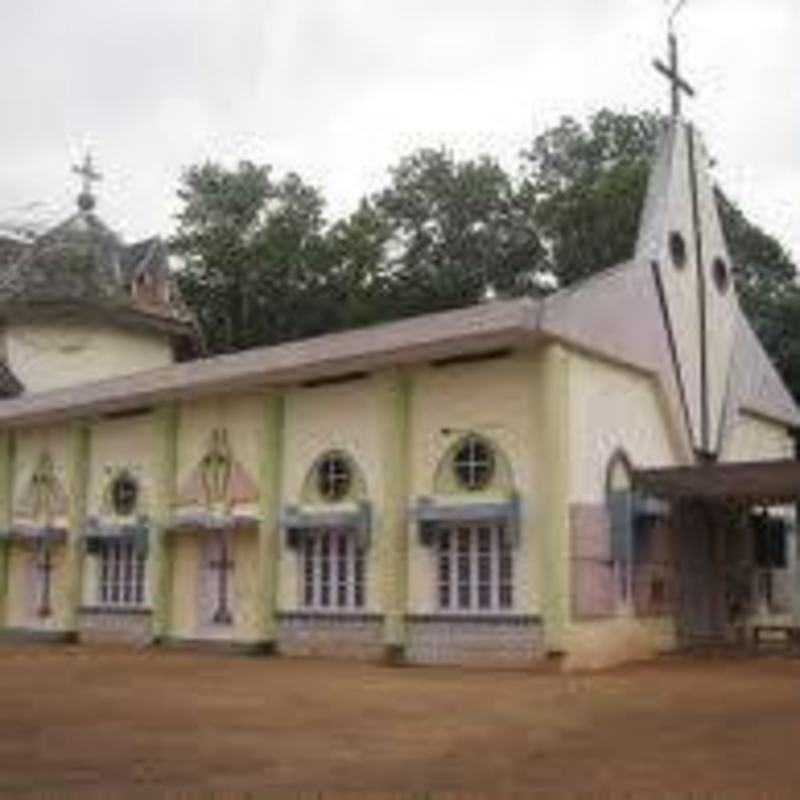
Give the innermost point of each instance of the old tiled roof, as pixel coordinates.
(83, 263)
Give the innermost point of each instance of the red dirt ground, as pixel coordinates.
(108, 722)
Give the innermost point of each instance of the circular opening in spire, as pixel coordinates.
(721, 275)
(677, 249)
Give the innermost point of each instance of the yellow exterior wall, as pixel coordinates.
(242, 417)
(52, 355)
(30, 444)
(498, 399)
(334, 417)
(611, 408)
(187, 563)
(114, 443)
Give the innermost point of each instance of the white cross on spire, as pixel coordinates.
(671, 71)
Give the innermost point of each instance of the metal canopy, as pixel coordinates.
(747, 483)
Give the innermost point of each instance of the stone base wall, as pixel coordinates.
(347, 636)
(105, 626)
(475, 640)
(36, 636)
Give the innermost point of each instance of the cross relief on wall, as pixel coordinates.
(216, 485)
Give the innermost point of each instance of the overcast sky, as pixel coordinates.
(338, 90)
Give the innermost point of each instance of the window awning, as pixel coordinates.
(299, 521)
(99, 530)
(432, 515)
(24, 532)
(746, 483)
(203, 523)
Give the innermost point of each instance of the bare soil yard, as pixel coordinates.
(108, 722)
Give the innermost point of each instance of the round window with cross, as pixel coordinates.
(124, 494)
(474, 463)
(334, 477)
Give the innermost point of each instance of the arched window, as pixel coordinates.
(124, 494)
(332, 552)
(619, 501)
(334, 477)
(474, 463)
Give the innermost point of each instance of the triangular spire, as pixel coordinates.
(680, 235)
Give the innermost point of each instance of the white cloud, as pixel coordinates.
(339, 90)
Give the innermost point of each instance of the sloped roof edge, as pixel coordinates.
(465, 331)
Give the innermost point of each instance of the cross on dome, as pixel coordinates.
(89, 175)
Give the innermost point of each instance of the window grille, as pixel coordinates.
(474, 463)
(475, 569)
(124, 494)
(122, 575)
(334, 478)
(333, 570)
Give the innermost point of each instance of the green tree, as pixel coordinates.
(456, 229)
(262, 266)
(255, 255)
(587, 186)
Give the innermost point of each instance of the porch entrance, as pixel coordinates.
(701, 579)
(736, 565)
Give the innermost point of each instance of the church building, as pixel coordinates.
(605, 472)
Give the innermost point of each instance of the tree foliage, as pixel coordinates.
(263, 265)
(589, 186)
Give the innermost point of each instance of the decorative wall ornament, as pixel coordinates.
(43, 499)
(222, 564)
(216, 469)
(217, 483)
(44, 568)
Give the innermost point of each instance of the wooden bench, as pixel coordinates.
(791, 632)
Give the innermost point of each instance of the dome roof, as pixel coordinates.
(82, 264)
(78, 260)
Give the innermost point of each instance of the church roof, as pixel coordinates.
(671, 312)
(586, 317)
(82, 264)
(10, 385)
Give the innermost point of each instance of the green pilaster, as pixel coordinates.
(6, 489)
(394, 390)
(553, 557)
(165, 448)
(269, 543)
(77, 491)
